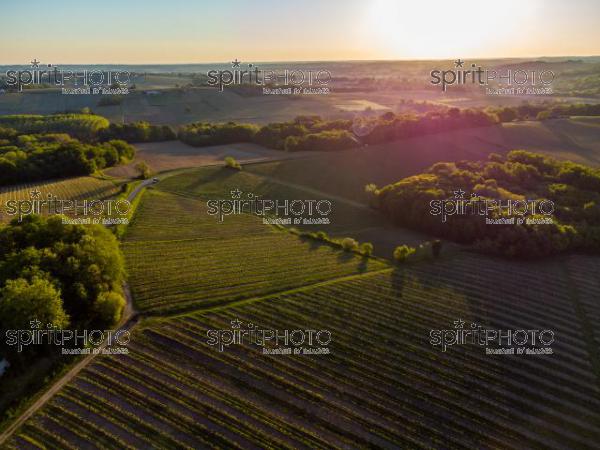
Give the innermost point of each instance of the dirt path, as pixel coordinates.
(126, 323)
(130, 316)
(128, 320)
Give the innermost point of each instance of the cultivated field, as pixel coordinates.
(217, 183)
(180, 258)
(383, 384)
(80, 188)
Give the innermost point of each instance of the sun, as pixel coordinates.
(445, 29)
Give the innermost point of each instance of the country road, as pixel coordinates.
(130, 316)
(137, 189)
(128, 320)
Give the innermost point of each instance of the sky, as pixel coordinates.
(188, 31)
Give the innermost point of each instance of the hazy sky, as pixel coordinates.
(187, 31)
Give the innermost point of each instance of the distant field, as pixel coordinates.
(180, 258)
(382, 385)
(173, 107)
(162, 156)
(79, 188)
(346, 173)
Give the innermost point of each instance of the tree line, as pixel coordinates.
(307, 133)
(70, 276)
(37, 147)
(573, 188)
(32, 157)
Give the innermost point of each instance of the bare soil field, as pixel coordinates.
(162, 156)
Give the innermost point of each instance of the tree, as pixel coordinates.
(543, 115)
(349, 244)
(22, 301)
(143, 170)
(366, 248)
(372, 194)
(231, 163)
(507, 115)
(83, 262)
(402, 252)
(109, 308)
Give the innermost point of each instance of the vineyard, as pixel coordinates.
(80, 188)
(216, 182)
(383, 385)
(209, 262)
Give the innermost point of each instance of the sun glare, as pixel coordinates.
(442, 29)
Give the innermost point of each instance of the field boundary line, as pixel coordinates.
(269, 296)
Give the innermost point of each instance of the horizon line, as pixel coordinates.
(314, 60)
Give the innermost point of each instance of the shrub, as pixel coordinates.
(366, 248)
(402, 252)
(231, 163)
(108, 308)
(349, 244)
(321, 236)
(143, 170)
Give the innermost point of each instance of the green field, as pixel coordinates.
(217, 183)
(209, 263)
(383, 385)
(80, 188)
(346, 173)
